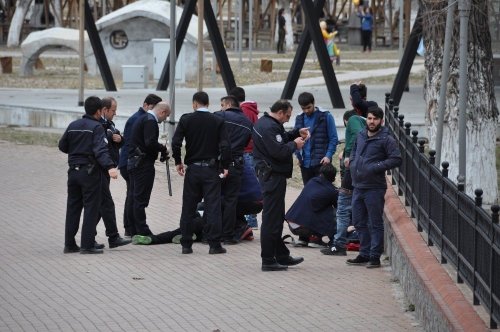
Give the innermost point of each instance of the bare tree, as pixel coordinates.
(16, 24)
(482, 112)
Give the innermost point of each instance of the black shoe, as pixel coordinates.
(359, 260)
(71, 249)
(231, 242)
(290, 261)
(118, 241)
(99, 245)
(373, 263)
(91, 251)
(187, 250)
(274, 267)
(217, 250)
(334, 251)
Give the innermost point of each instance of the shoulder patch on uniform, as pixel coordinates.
(279, 138)
(105, 140)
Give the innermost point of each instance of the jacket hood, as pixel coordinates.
(249, 106)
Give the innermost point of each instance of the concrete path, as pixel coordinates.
(156, 288)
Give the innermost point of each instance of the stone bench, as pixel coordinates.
(40, 41)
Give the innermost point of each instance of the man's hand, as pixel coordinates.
(325, 161)
(299, 142)
(180, 169)
(304, 133)
(117, 138)
(113, 173)
(346, 162)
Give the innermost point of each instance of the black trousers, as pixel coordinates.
(201, 182)
(366, 38)
(309, 172)
(141, 185)
(167, 237)
(273, 216)
(127, 220)
(84, 192)
(230, 188)
(107, 211)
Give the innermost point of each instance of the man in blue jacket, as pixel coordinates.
(374, 152)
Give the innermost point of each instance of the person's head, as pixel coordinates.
(374, 119)
(200, 99)
(347, 115)
(162, 111)
(238, 92)
(93, 106)
(281, 110)
(108, 108)
(328, 171)
(322, 25)
(150, 101)
(306, 102)
(281, 11)
(228, 102)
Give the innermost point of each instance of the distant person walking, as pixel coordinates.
(366, 16)
(281, 31)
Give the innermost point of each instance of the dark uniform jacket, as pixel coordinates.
(371, 157)
(114, 148)
(202, 145)
(85, 143)
(145, 134)
(273, 145)
(238, 129)
(127, 133)
(314, 208)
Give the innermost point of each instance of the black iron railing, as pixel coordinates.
(466, 235)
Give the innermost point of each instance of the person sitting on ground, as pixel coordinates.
(312, 215)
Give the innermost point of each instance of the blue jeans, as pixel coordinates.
(367, 217)
(344, 212)
(251, 218)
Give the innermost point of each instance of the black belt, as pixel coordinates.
(204, 163)
(80, 166)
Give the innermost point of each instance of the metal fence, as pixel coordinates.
(467, 236)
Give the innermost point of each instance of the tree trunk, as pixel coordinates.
(16, 24)
(482, 112)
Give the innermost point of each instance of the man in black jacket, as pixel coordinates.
(273, 150)
(239, 132)
(143, 151)
(115, 141)
(206, 139)
(88, 157)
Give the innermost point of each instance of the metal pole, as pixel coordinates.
(250, 30)
(240, 30)
(445, 73)
(173, 58)
(201, 10)
(400, 41)
(464, 11)
(82, 50)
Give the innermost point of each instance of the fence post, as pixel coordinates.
(407, 128)
(479, 197)
(421, 145)
(461, 188)
(461, 183)
(479, 202)
(391, 104)
(414, 134)
(445, 166)
(401, 118)
(494, 220)
(432, 157)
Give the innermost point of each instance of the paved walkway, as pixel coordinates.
(155, 288)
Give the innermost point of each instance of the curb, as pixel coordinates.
(439, 304)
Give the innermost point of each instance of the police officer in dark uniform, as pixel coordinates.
(206, 139)
(115, 141)
(239, 133)
(88, 157)
(143, 151)
(149, 102)
(273, 150)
